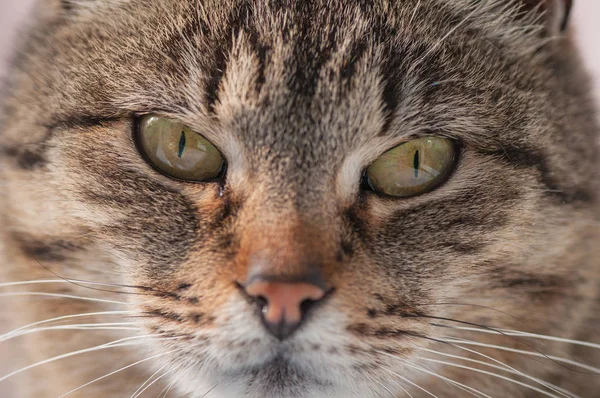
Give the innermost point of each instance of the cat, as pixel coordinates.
(320, 198)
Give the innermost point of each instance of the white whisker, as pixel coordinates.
(525, 352)
(463, 387)
(117, 343)
(493, 375)
(151, 384)
(148, 380)
(405, 391)
(516, 333)
(46, 281)
(410, 382)
(382, 385)
(81, 326)
(65, 317)
(114, 372)
(43, 294)
(504, 368)
(209, 391)
(32, 282)
(167, 389)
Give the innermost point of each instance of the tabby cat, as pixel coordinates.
(318, 198)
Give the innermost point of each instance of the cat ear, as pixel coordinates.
(556, 12)
(66, 7)
(52, 8)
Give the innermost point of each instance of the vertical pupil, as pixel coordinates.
(416, 164)
(181, 144)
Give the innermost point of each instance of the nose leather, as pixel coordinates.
(283, 303)
(283, 300)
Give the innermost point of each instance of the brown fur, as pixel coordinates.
(300, 97)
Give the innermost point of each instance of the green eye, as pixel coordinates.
(177, 150)
(413, 168)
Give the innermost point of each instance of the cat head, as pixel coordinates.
(291, 270)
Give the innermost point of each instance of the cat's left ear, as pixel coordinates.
(556, 12)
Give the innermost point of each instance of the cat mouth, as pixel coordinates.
(278, 373)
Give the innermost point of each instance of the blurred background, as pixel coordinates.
(585, 22)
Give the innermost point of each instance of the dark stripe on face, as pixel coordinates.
(390, 90)
(30, 156)
(65, 121)
(168, 315)
(26, 159)
(260, 50)
(312, 49)
(215, 77)
(392, 68)
(527, 158)
(359, 48)
(510, 278)
(237, 21)
(67, 5)
(51, 249)
(368, 330)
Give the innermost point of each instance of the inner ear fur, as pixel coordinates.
(556, 12)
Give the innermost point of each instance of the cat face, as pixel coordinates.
(288, 274)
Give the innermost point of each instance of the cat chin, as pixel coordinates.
(275, 380)
(279, 374)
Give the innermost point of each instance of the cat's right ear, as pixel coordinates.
(54, 8)
(555, 12)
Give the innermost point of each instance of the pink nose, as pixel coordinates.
(284, 304)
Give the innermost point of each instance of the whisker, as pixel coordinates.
(525, 352)
(491, 329)
(32, 282)
(65, 317)
(505, 369)
(209, 391)
(475, 306)
(44, 294)
(116, 371)
(506, 366)
(463, 387)
(468, 389)
(81, 326)
(117, 343)
(147, 380)
(78, 282)
(406, 391)
(384, 386)
(508, 332)
(151, 384)
(493, 375)
(410, 382)
(82, 283)
(167, 389)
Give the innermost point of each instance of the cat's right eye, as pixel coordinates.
(178, 151)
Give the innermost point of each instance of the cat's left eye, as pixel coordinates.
(176, 150)
(413, 168)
